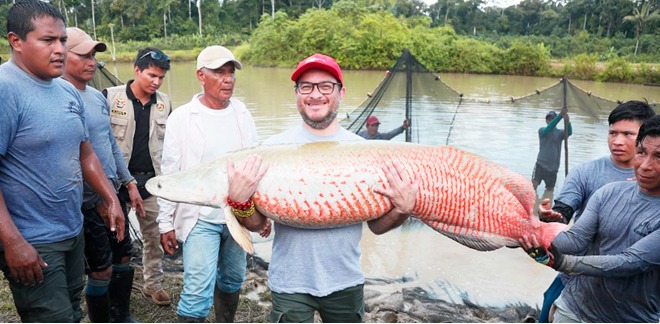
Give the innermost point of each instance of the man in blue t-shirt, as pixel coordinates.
(110, 282)
(611, 253)
(588, 177)
(547, 161)
(44, 157)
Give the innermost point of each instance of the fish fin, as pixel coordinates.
(478, 241)
(240, 234)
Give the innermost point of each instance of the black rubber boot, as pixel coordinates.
(225, 305)
(186, 319)
(98, 308)
(121, 286)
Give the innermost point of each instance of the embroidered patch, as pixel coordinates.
(118, 112)
(120, 103)
(160, 106)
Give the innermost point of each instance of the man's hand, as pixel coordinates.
(551, 258)
(265, 231)
(136, 199)
(401, 192)
(169, 243)
(406, 124)
(24, 263)
(113, 217)
(243, 179)
(547, 214)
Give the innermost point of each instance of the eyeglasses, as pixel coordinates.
(158, 56)
(325, 87)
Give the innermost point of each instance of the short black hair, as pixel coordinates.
(144, 61)
(21, 15)
(651, 127)
(631, 110)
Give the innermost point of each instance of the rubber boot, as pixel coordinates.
(121, 286)
(187, 319)
(98, 308)
(225, 305)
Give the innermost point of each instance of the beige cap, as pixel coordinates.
(80, 43)
(213, 57)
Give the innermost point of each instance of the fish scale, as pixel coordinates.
(476, 202)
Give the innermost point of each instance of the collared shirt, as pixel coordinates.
(140, 157)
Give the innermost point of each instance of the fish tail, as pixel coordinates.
(549, 231)
(240, 234)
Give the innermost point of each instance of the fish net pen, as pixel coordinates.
(409, 90)
(103, 78)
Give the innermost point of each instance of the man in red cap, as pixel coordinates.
(319, 269)
(372, 133)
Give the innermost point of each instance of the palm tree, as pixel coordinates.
(640, 18)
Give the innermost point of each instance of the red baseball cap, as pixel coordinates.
(318, 61)
(372, 120)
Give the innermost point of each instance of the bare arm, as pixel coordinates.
(22, 259)
(243, 181)
(97, 179)
(402, 193)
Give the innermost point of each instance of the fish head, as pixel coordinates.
(206, 185)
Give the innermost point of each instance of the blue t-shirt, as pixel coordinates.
(42, 125)
(317, 262)
(613, 255)
(588, 177)
(97, 117)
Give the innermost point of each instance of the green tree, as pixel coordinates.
(640, 18)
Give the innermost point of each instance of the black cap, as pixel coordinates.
(551, 114)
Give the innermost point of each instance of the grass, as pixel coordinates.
(254, 305)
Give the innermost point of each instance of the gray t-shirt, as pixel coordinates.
(382, 136)
(613, 252)
(317, 262)
(549, 155)
(588, 177)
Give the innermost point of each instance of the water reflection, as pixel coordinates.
(501, 133)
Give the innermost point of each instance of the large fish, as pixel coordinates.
(477, 203)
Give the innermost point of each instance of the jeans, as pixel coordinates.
(210, 257)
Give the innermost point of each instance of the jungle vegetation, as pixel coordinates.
(616, 40)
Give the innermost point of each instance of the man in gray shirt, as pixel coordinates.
(612, 251)
(547, 161)
(588, 177)
(372, 133)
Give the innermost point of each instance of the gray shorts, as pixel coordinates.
(57, 298)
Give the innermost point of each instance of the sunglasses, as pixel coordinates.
(158, 56)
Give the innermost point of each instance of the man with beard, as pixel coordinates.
(319, 269)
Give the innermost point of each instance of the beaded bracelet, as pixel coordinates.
(244, 213)
(240, 206)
